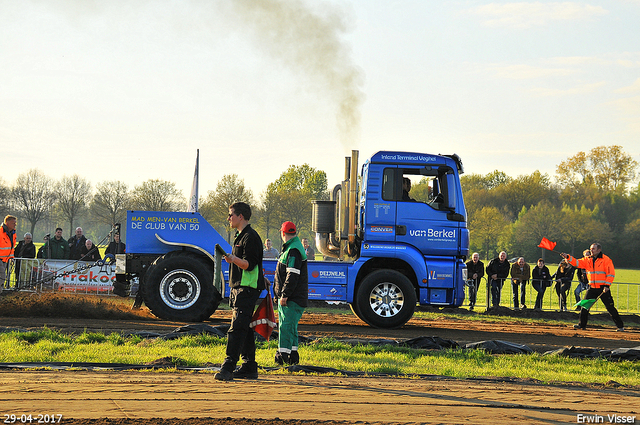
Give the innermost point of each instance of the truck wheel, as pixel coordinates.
(179, 286)
(386, 299)
(354, 310)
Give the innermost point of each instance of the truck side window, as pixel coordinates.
(388, 184)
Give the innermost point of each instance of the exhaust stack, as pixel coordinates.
(334, 221)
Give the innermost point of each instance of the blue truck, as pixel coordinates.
(383, 252)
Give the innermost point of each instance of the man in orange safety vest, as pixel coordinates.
(601, 273)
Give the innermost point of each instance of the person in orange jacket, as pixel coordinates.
(7, 246)
(601, 273)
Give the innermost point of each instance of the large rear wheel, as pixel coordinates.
(385, 299)
(179, 286)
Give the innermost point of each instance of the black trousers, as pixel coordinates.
(523, 291)
(562, 288)
(607, 300)
(496, 291)
(240, 337)
(473, 291)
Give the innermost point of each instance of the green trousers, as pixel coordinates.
(288, 315)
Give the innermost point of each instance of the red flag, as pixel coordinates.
(264, 318)
(547, 244)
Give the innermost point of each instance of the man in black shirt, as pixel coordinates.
(498, 271)
(246, 281)
(76, 243)
(475, 272)
(116, 247)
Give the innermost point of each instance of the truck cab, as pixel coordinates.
(406, 246)
(431, 224)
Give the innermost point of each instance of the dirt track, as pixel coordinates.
(128, 397)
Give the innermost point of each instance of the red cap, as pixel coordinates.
(288, 227)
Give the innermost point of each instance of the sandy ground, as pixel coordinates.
(135, 395)
(128, 397)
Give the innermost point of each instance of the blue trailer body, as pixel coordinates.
(146, 231)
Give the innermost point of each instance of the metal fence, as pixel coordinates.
(626, 296)
(40, 275)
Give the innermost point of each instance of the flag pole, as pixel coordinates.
(192, 203)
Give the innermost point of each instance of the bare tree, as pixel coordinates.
(74, 194)
(5, 197)
(33, 196)
(157, 195)
(110, 202)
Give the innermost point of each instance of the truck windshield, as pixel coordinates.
(412, 185)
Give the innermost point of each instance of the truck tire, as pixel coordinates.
(354, 310)
(179, 286)
(385, 299)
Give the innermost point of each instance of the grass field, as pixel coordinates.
(203, 350)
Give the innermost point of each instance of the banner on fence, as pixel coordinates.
(94, 279)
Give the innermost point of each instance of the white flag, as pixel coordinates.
(192, 204)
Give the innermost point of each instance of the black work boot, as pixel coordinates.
(294, 357)
(224, 375)
(281, 358)
(248, 370)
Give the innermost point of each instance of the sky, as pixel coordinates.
(128, 91)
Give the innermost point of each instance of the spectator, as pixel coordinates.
(24, 249)
(291, 290)
(475, 272)
(563, 277)
(116, 247)
(520, 275)
(246, 281)
(498, 271)
(7, 246)
(269, 251)
(311, 254)
(76, 243)
(583, 280)
(541, 280)
(56, 248)
(90, 252)
(600, 272)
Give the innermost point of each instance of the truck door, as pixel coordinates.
(425, 219)
(380, 189)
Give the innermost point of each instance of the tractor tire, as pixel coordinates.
(385, 299)
(179, 286)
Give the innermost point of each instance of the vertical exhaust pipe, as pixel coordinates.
(334, 221)
(353, 191)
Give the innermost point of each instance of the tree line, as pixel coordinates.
(43, 203)
(594, 196)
